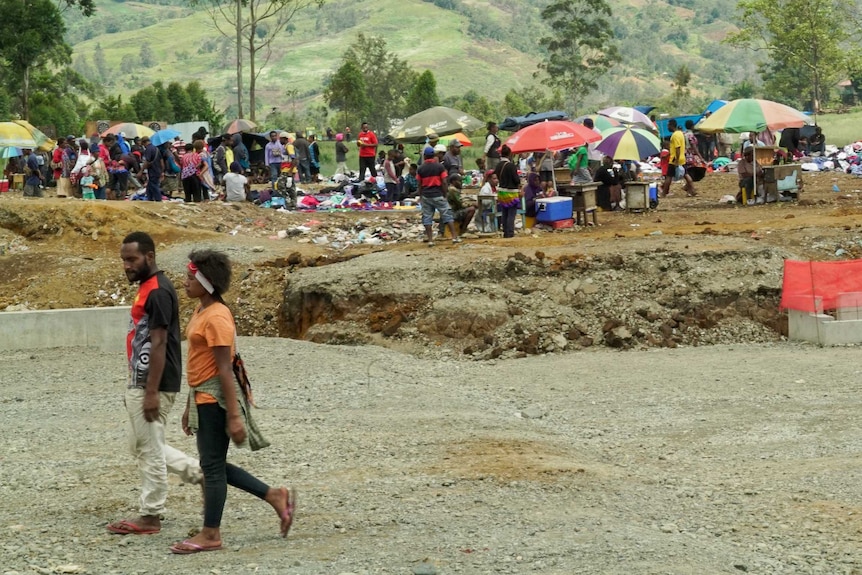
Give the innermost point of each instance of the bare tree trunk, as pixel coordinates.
(239, 58)
(252, 81)
(25, 94)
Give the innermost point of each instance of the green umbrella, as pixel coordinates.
(438, 120)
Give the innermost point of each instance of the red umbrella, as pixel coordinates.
(554, 135)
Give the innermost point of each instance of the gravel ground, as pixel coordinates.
(719, 459)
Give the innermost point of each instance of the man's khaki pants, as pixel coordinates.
(155, 458)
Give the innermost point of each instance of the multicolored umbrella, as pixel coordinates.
(628, 115)
(460, 136)
(130, 130)
(239, 125)
(438, 120)
(601, 123)
(752, 115)
(13, 134)
(553, 135)
(43, 142)
(629, 144)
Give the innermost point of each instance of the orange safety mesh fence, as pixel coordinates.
(815, 286)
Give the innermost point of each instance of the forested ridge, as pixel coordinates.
(484, 45)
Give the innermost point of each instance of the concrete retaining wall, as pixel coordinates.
(103, 327)
(823, 329)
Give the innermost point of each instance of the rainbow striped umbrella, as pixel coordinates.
(752, 115)
(629, 144)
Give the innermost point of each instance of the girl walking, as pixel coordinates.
(218, 409)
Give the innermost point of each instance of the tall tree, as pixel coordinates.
(580, 48)
(387, 79)
(152, 103)
(57, 99)
(113, 108)
(254, 24)
(743, 89)
(31, 35)
(803, 41)
(422, 95)
(348, 94)
(86, 7)
(203, 108)
(180, 103)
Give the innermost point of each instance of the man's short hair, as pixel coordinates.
(144, 241)
(491, 125)
(271, 132)
(671, 122)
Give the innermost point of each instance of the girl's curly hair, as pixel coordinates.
(215, 266)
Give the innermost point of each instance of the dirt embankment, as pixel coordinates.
(694, 272)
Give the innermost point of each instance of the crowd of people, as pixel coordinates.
(114, 167)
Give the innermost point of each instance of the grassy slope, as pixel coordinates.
(419, 32)
(300, 61)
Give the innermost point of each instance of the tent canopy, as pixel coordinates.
(514, 124)
(664, 133)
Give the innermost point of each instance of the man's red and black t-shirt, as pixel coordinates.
(155, 306)
(431, 176)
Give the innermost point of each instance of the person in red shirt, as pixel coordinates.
(367, 142)
(57, 159)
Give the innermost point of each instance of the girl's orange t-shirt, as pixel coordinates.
(209, 327)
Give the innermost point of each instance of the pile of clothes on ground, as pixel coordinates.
(344, 234)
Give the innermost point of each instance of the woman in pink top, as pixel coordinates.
(191, 166)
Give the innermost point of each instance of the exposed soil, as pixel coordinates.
(693, 272)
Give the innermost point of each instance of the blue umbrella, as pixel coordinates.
(10, 152)
(163, 136)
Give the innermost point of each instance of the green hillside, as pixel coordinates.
(488, 46)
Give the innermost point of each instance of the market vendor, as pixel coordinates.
(745, 170)
(609, 192)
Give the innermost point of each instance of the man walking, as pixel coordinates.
(367, 142)
(274, 155)
(155, 370)
(676, 165)
(153, 167)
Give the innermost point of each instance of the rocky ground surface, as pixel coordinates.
(713, 459)
(609, 399)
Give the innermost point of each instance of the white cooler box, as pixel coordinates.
(553, 209)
